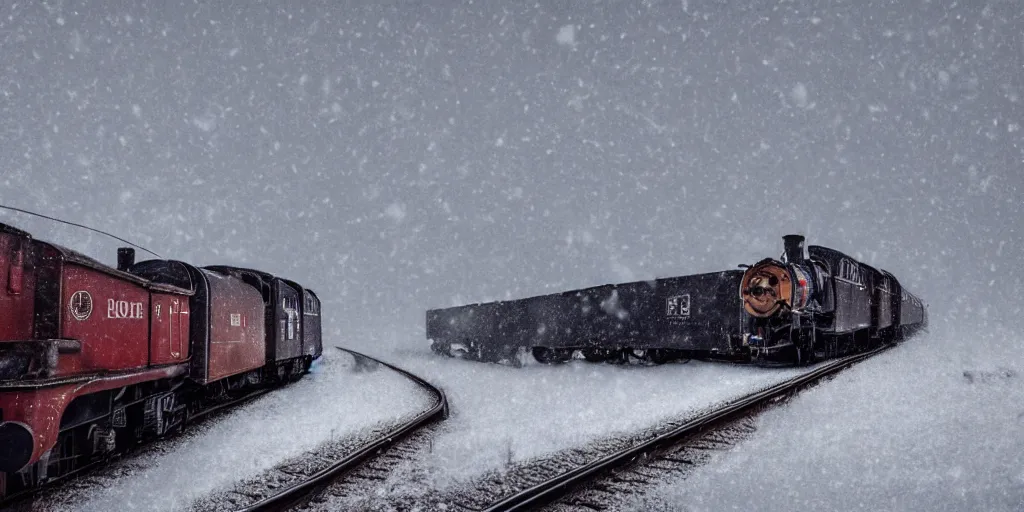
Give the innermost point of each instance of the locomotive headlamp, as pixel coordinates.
(766, 288)
(771, 287)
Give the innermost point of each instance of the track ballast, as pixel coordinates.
(302, 478)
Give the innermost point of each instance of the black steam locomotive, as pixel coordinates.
(792, 311)
(823, 305)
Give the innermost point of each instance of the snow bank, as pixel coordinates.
(501, 413)
(937, 424)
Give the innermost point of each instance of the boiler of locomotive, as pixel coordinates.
(772, 286)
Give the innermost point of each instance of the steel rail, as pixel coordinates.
(293, 493)
(561, 485)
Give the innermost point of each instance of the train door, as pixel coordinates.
(289, 320)
(169, 329)
(179, 328)
(312, 343)
(886, 303)
(853, 298)
(290, 306)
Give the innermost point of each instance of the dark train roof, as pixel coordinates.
(7, 228)
(226, 269)
(828, 252)
(172, 282)
(263, 275)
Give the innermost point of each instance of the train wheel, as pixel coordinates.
(458, 351)
(547, 355)
(659, 355)
(544, 355)
(594, 355)
(618, 356)
(636, 355)
(804, 356)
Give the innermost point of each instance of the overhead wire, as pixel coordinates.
(100, 231)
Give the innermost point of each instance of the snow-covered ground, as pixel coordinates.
(337, 399)
(498, 413)
(501, 413)
(937, 424)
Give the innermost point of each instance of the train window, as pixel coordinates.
(312, 308)
(850, 271)
(291, 322)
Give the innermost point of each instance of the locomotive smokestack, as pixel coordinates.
(794, 245)
(125, 258)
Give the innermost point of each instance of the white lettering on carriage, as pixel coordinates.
(122, 309)
(678, 306)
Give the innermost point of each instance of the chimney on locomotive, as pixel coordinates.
(125, 258)
(794, 245)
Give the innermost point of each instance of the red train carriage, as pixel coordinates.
(227, 322)
(93, 359)
(77, 355)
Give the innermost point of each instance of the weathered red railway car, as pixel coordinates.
(73, 331)
(93, 358)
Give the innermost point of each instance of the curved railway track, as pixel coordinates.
(296, 479)
(567, 482)
(283, 497)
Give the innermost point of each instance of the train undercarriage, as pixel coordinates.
(99, 426)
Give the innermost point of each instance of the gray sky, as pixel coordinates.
(403, 155)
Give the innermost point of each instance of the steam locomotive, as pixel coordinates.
(774, 312)
(95, 359)
(822, 306)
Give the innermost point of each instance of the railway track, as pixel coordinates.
(290, 482)
(298, 479)
(368, 486)
(577, 484)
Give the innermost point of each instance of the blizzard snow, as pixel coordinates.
(399, 157)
